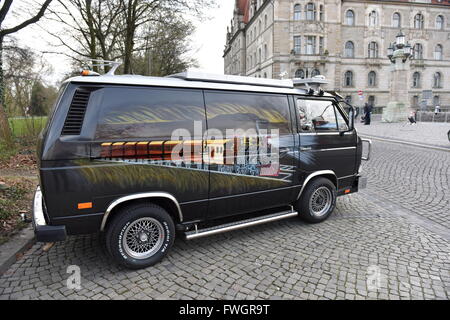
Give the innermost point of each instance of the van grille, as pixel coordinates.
(77, 110)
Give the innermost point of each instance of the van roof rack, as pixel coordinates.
(314, 82)
(196, 75)
(102, 63)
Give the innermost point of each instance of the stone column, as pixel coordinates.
(399, 107)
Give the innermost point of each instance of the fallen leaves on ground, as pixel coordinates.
(15, 199)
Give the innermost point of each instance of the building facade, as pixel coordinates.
(344, 40)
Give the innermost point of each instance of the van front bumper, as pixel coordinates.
(44, 232)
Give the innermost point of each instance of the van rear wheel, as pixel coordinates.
(140, 235)
(317, 201)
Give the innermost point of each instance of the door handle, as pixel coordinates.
(305, 148)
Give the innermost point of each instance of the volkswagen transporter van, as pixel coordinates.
(142, 159)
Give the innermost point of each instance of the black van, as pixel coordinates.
(141, 158)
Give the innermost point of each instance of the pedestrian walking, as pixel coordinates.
(412, 118)
(367, 113)
(437, 109)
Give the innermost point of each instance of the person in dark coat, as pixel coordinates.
(367, 113)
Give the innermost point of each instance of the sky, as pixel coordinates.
(208, 41)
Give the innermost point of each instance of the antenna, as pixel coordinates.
(105, 63)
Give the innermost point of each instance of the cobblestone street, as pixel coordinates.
(397, 228)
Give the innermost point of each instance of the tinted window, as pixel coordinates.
(316, 115)
(129, 113)
(231, 110)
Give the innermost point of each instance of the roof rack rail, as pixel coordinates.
(104, 63)
(314, 82)
(195, 75)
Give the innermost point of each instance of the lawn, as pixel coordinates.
(26, 126)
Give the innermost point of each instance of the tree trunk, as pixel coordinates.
(5, 129)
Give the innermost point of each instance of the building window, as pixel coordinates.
(371, 101)
(372, 79)
(418, 51)
(416, 80)
(260, 26)
(418, 21)
(310, 11)
(350, 18)
(259, 55)
(373, 18)
(437, 80)
(348, 79)
(436, 101)
(373, 49)
(265, 21)
(315, 72)
(321, 45)
(348, 99)
(349, 49)
(396, 20)
(438, 52)
(310, 45)
(265, 52)
(300, 74)
(297, 12)
(321, 12)
(265, 75)
(439, 22)
(297, 44)
(415, 101)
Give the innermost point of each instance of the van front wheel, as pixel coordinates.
(140, 235)
(317, 201)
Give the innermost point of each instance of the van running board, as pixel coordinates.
(239, 224)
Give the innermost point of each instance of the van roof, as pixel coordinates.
(183, 81)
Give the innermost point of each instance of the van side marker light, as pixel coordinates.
(86, 205)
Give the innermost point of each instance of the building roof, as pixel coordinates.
(244, 5)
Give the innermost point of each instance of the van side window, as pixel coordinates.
(342, 125)
(142, 113)
(316, 115)
(232, 110)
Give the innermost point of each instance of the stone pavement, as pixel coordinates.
(390, 241)
(423, 132)
(283, 260)
(416, 179)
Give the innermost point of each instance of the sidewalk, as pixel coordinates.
(427, 133)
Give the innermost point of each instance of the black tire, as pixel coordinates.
(305, 211)
(133, 220)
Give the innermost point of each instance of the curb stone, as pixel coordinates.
(10, 251)
(410, 143)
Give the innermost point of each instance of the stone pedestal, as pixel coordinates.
(395, 111)
(398, 108)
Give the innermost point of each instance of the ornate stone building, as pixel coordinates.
(344, 40)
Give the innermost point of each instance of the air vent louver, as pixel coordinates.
(77, 110)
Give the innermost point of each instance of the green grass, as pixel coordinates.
(30, 126)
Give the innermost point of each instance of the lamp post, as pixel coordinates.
(399, 53)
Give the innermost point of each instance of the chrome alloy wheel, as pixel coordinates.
(320, 201)
(143, 238)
